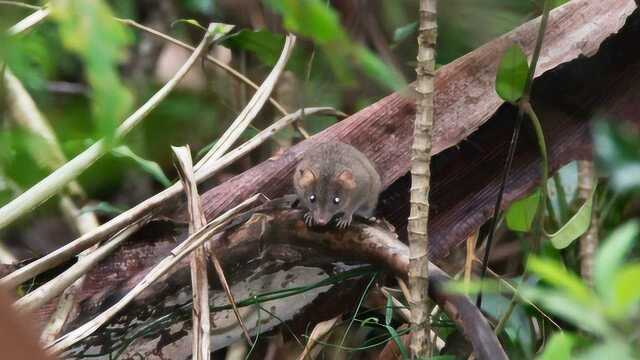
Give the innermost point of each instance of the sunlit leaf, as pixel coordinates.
(192, 22)
(521, 213)
(312, 18)
(575, 227)
(559, 277)
(611, 349)
(559, 347)
(626, 292)
(611, 254)
(512, 74)
(562, 305)
(88, 29)
(149, 166)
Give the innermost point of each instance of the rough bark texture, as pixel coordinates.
(420, 179)
(588, 241)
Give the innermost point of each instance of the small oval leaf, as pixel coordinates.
(512, 74)
(576, 226)
(522, 212)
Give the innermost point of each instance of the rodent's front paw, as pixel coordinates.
(308, 218)
(344, 221)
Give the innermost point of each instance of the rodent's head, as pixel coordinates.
(324, 197)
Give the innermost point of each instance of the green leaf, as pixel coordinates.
(311, 18)
(403, 32)
(264, 44)
(89, 29)
(626, 292)
(192, 22)
(559, 347)
(103, 208)
(518, 326)
(611, 349)
(388, 316)
(618, 155)
(576, 226)
(396, 339)
(512, 74)
(378, 70)
(557, 276)
(521, 213)
(611, 254)
(561, 304)
(149, 166)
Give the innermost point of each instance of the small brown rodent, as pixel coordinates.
(334, 178)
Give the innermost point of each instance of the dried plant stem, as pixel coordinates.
(196, 240)
(47, 187)
(198, 264)
(144, 209)
(420, 178)
(30, 21)
(588, 241)
(319, 331)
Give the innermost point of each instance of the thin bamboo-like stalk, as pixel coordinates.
(420, 179)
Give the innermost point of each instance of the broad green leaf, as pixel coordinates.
(557, 276)
(611, 349)
(576, 226)
(378, 70)
(626, 292)
(311, 18)
(521, 213)
(611, 254)
(89, 29)
(403, 32)
(512, 74)
(588, 318)
(559, 347)
(149, 166)
(618, 155)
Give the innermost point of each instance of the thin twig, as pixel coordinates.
(32, 20)
(588, 241)
(21, 4)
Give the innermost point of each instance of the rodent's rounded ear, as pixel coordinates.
(305, 177)
(346, 179)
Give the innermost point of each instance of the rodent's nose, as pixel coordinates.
(321, 219)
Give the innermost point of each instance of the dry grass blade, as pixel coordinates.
(196, 240)
(319, 331)
(145, 208)
(28, 22)
(198, 264)
(48, 186)
(250, 111)
(55, 286)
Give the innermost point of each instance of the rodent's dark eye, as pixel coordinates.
(336, 200)
(312, 197)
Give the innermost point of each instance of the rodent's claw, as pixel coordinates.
(344, 222)
(308, 219)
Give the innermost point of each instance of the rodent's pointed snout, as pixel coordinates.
(321, 219)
